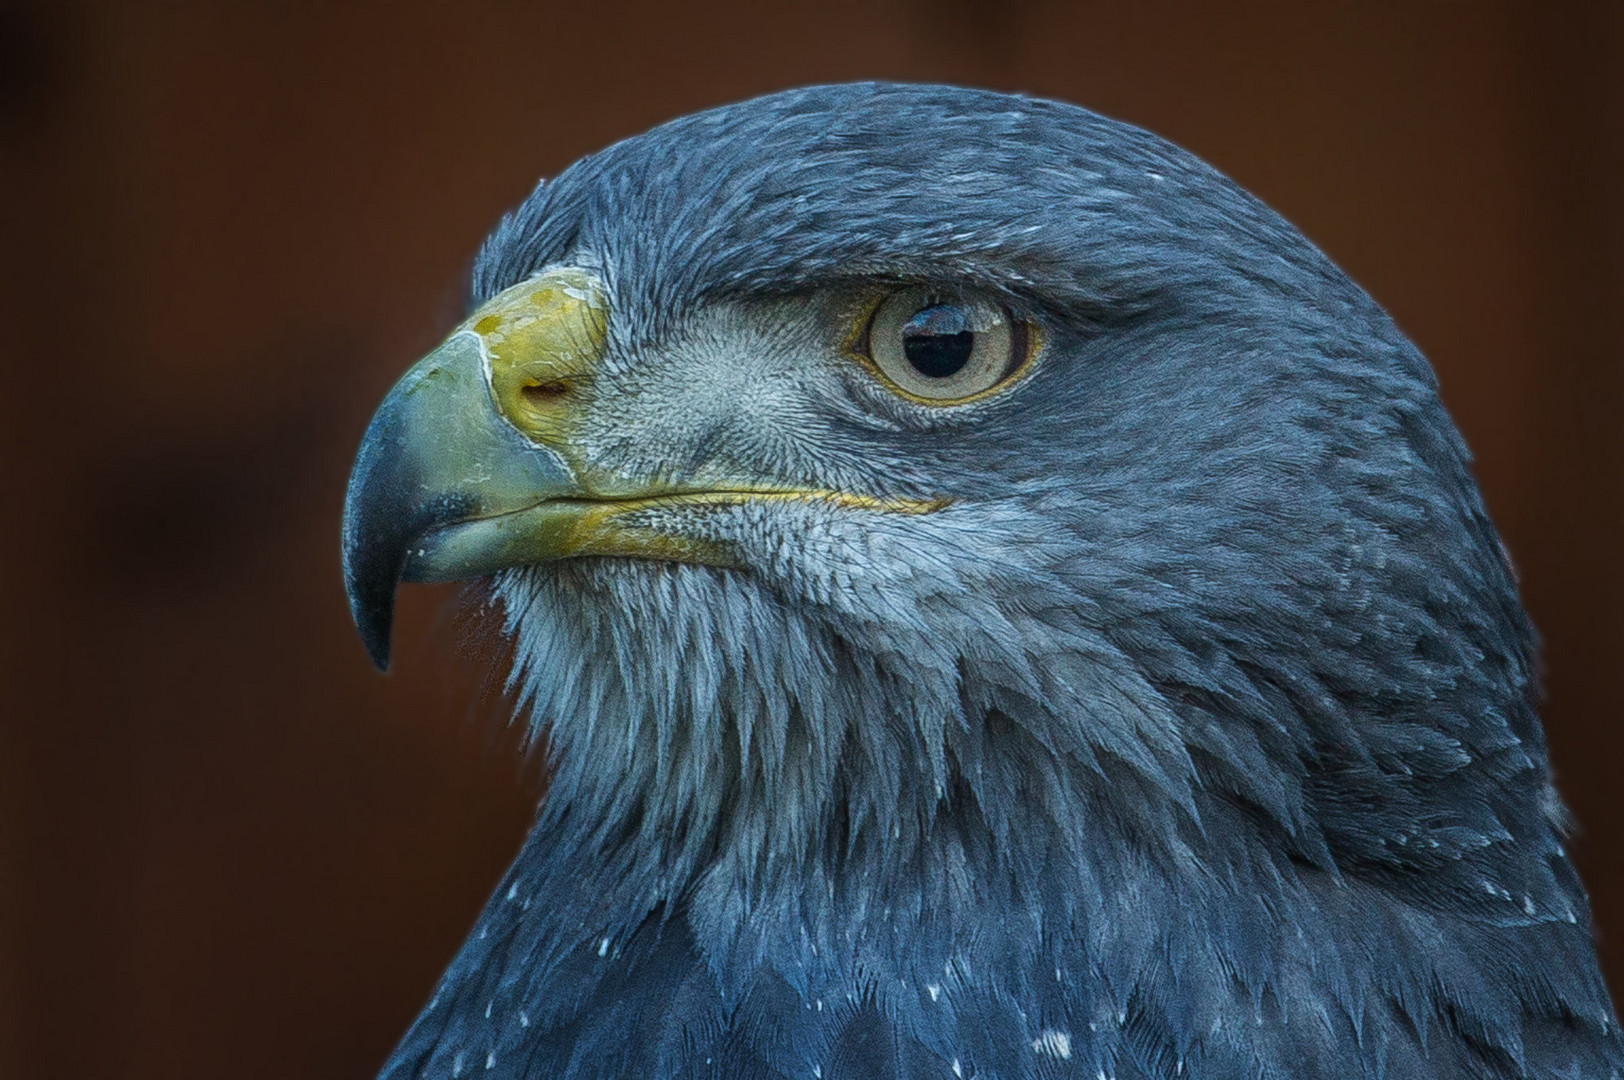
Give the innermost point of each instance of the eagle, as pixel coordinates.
(1000, 603)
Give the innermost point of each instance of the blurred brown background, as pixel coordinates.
(227, 847)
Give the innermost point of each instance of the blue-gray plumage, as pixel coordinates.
(1161, 708)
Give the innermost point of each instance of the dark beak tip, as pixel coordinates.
(378, 526)
(371, 574)
(377, 645)
(372, 608)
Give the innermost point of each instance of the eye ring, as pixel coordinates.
(941, 347)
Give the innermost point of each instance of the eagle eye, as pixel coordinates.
(943, 348)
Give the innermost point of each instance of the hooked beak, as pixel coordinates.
(461, 472)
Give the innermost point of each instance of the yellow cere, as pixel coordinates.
(543, 339)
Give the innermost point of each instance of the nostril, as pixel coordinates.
(545, 392)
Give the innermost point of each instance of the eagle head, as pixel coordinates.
(982, 572)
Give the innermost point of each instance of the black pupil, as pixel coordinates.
(938, 340)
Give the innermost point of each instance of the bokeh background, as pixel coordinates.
(227, 846)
